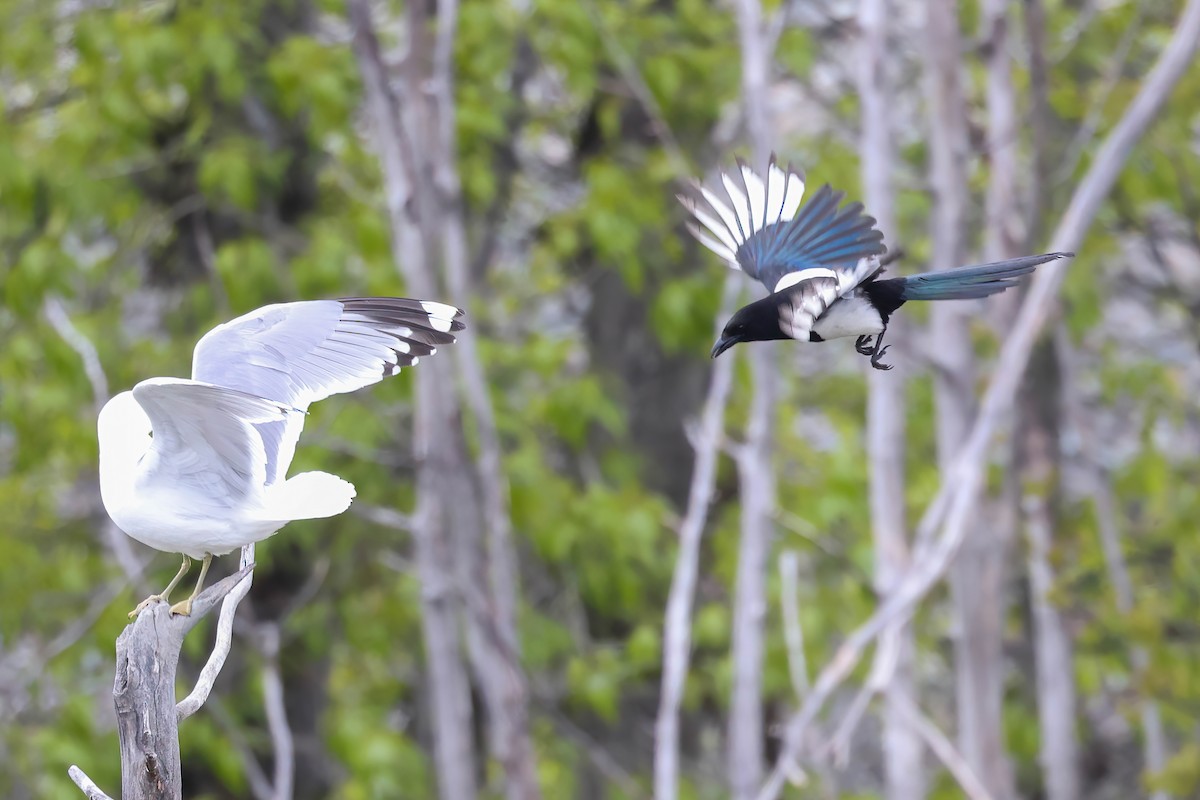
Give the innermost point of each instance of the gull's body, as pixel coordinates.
(199, 466)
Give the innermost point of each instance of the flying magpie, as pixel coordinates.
(821, 263)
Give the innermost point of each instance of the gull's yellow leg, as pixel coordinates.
(184, 607)
(166, 593)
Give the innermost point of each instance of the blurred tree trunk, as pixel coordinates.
(1053, 656)
(449, 700)
(461, 567)
(755, 471)
(1037, 451)
(484, 537)
(976, 574)
(983, 560)
(902, 750)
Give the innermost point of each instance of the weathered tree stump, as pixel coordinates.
(144, 694)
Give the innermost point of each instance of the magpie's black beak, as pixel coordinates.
(723, 344)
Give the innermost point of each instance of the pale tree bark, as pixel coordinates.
(473, 543)
(449, 700)
(904, 776)
(975, 576)
(756, 474)
(495, 649)
(1052, 650)
(982, 564)
(1036, 448)
(955, 502)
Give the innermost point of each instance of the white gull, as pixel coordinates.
(199, 466)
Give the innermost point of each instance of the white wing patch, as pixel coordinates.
(751, 207)
(821, 301)
(846, 280)
(792, 278)
(806, 304)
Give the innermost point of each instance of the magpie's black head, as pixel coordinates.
(757, 322)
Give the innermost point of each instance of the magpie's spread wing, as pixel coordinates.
(763, 230)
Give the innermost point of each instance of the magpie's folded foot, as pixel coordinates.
(877, 355)
(863, 345)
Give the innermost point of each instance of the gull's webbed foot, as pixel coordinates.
(142, 606)
(863, 345)
(183, 608)
(165, 597)
(878, 354)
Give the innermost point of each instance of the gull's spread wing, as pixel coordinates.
(299, 353)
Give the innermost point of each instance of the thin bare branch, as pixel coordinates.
(604, 761)
(60, 320)
(883, 668)
(383, 516)
(86, 785)
(677, 625)
(632, 77)
(945, 750)
(216, 659)
(793, 633)
(1116, 63)
(282, 741)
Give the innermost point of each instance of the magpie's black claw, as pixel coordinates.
(875, 358)
(863, 345)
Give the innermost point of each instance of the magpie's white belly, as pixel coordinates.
(852, 315)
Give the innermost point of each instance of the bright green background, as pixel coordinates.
(135, 137)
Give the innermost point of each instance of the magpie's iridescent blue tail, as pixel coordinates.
(965, 283)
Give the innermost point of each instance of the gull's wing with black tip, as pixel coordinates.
(299, 353)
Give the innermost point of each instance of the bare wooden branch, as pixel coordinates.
(144, 693)
(1058, 750)
(381, 515)
(641, 91)
(216, 659)
(677, 625)
(282, 741)
(56, 315)
(86, 785)
(953, 505)
(793, 632)
(883, 669)
(946, 752)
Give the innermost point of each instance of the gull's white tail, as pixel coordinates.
(309, 495)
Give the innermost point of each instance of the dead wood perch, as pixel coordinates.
(144, 691)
